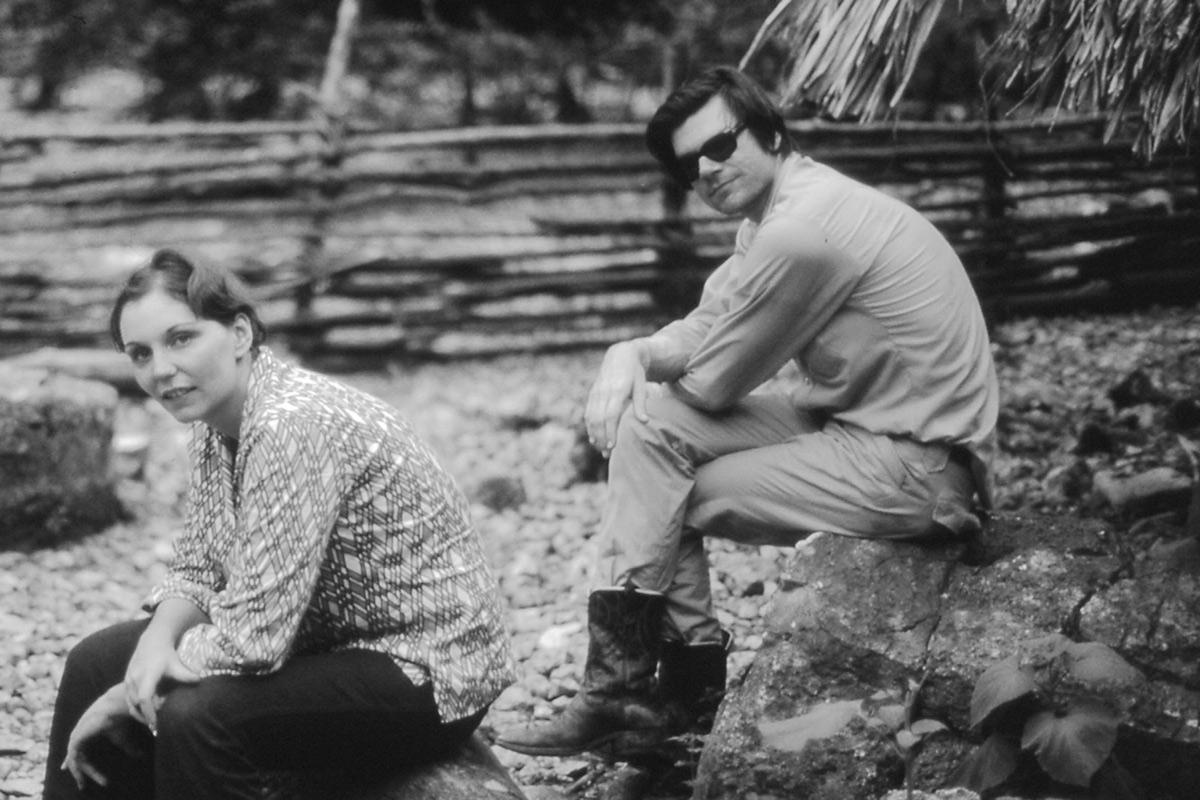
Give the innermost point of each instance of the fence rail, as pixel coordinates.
(470, 241)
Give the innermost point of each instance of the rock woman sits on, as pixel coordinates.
(328, 606)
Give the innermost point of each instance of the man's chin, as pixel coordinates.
(721, 203)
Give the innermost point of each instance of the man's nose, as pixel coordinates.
(706, 166)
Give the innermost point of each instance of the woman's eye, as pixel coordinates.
(137, 356)
(180, 339)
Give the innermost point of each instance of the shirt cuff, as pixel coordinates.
(198, 595)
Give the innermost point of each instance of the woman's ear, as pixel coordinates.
(243, 333)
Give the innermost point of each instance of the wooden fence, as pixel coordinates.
(386, 245)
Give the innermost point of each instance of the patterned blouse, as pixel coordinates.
(329, 525)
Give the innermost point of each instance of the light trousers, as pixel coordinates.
(761, 472)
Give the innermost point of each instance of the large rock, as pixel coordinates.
(87, 363)
(473, 774)
(858, 628)
(55, 443)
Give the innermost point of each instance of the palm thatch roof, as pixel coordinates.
(1136, 59)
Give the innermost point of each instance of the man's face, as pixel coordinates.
(740, 183)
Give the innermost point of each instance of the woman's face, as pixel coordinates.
(196, 368)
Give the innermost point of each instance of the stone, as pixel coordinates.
(859, 631)
(499, 492)
(1157, 489)
(87, 363)
(56, 436)
(474, 773)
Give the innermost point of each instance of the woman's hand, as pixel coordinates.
(621, 381)
(154, 662)
(107, 716)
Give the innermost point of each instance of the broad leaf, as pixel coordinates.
(988, 766)
(1072, 746)
(1096, 663)
(893, 715)
(1001, 683)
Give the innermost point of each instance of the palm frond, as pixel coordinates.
(851, 57)
(1129, 59)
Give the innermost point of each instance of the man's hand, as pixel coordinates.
(154, 662)
(621, 381)
(109, 717)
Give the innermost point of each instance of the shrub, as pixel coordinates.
(1040, 725)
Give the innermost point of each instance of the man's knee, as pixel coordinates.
(668, 421)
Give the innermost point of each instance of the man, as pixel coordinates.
(883, 432)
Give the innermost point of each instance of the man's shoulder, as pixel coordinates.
(790, 230)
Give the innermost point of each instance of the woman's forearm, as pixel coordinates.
(172, 617)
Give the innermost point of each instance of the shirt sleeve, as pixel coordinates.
(193, 573)
(790, 284)
(672, 345)
(288, 504)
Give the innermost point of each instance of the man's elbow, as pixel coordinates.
(708, 398)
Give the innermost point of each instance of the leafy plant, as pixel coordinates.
(897, 714)
(1069, 740)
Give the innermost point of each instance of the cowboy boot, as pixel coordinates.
(616, 710)
(691, 682)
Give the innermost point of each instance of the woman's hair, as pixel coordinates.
(210, 292)
(745, 98)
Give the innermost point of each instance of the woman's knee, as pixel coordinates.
(103, 654)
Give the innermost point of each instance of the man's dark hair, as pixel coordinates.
(210, 292)
(745, 98)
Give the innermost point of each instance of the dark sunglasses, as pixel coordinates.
(718, 148)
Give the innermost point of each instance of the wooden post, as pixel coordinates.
(995, 198)
(677, 291)
(331, 114)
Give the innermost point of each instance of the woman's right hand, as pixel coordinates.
(104, 717)
(154, 662)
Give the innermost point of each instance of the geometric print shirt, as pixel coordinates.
(328, 525)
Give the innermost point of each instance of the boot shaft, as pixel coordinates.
(624, 641)
(691, 680)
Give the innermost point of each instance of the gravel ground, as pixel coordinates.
(505, 423)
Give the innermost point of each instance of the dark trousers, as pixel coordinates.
(235, 736)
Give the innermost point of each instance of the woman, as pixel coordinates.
(328, 606)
